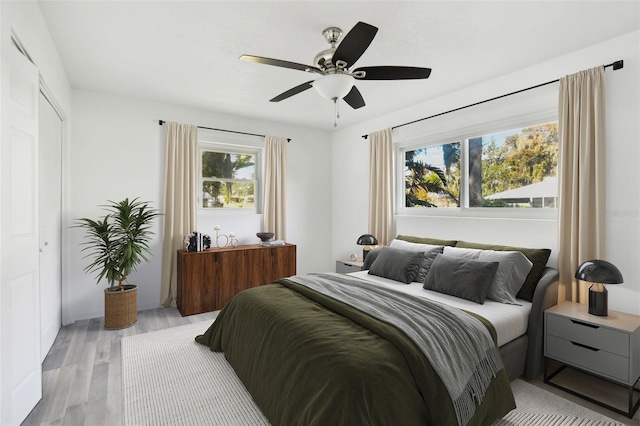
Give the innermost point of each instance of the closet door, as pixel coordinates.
(50, 196)
(20, 364)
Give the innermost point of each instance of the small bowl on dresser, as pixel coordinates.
(265, 236)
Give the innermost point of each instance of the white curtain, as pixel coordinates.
(581, 171)
(180, 186)
(381, 185)
(275, 174)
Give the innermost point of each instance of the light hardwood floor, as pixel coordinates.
(82, 382)
(81, 377)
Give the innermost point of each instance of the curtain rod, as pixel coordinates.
(161, 122)
(616, 66)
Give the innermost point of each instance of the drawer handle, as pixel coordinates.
(586, 324)
(585, 346)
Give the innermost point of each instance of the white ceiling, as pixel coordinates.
(186, 52)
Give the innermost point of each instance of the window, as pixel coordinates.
(432, 176)
(507, 168)
(229, 179)
(514, 168)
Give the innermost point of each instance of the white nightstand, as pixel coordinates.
(607, 347)
(346, 266)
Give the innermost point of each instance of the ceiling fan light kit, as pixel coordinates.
(334, 86)
(334, 65)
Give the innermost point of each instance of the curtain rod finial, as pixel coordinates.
(160, 122)
(618, 64)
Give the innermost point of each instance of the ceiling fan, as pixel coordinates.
(334, 66)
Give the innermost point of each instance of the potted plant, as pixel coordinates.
(118, 243)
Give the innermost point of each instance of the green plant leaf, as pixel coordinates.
(116, 243)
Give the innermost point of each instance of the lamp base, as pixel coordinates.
(598, 302)
(365, 251)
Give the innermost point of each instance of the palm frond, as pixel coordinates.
(118, 242)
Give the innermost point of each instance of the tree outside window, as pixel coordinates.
(432, 176)
(511, 168)
(228, 180)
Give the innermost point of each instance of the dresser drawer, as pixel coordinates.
(597, 361)
(588, 334)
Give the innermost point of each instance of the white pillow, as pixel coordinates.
(510, 276)
(406, 245)
(465, 253)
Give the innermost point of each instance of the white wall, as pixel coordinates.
(118, 151)
(350, 162)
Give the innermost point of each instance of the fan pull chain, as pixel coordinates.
(336, 108)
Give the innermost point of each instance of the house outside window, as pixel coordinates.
(229, 179)
(514, 168)
(509, 168)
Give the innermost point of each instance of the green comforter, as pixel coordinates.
(308, 359)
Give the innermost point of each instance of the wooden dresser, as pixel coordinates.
(207, 280)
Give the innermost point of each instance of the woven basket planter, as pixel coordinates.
(120, 308)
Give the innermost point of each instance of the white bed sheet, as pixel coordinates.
(510, 321)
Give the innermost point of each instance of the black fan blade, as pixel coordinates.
(355, 43)
(278, 63)
(354, 98)
(294, 91)
(394, 73)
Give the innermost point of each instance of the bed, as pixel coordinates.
(367, 349)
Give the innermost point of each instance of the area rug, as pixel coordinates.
(169, 379)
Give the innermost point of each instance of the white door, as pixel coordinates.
(49, 195)
(20, 365)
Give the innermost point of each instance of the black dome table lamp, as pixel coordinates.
(598, 272)
(366, 240)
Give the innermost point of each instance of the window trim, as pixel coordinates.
(462, 135)
(231, 148)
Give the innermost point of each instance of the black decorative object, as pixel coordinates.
(598, 272)
(265, 236)
(366, 240)
(197, 241)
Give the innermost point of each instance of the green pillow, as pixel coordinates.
(432, 241)
(538, 257)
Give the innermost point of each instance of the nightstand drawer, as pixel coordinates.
(588, 334)
(597, 361)
(345, 267)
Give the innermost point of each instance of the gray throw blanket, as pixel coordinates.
(457, 345)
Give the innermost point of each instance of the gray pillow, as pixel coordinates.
(510, 277)
(371, 256)
(539, 257)
(425, 265)
(430, 251)
(465, 278)
(396, 264)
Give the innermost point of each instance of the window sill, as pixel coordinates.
(227, 212)
(483, 212)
